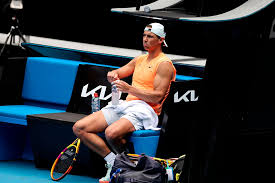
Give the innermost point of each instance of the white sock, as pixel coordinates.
(110, 158)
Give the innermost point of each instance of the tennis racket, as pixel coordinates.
(64, 162)
(162, 161)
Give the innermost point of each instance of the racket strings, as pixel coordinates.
(65, 161)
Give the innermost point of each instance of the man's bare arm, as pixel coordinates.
(122, 72)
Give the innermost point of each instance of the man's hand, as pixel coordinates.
(112, 76)
(122, 86)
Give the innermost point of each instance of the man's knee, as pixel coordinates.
(112, 134)
(78, 129)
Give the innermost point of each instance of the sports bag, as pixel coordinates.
(145, 170)
(178, 169)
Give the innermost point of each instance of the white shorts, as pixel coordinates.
(138, 112)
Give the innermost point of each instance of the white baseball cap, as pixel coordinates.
(157, 29)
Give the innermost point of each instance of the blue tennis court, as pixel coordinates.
(26, 172)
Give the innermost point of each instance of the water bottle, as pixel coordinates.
(115, 95)
(95, 103)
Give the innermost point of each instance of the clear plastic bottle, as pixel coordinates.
(95, 104)
(115, 95)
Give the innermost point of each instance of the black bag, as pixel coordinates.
(146, 170)
(178, 169)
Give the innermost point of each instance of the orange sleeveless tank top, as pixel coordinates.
(144, 75)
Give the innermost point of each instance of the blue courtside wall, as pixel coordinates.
(50, 80)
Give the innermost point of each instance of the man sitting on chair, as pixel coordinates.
(151, 80)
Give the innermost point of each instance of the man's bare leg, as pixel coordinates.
(87, 128)
(115, 134)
